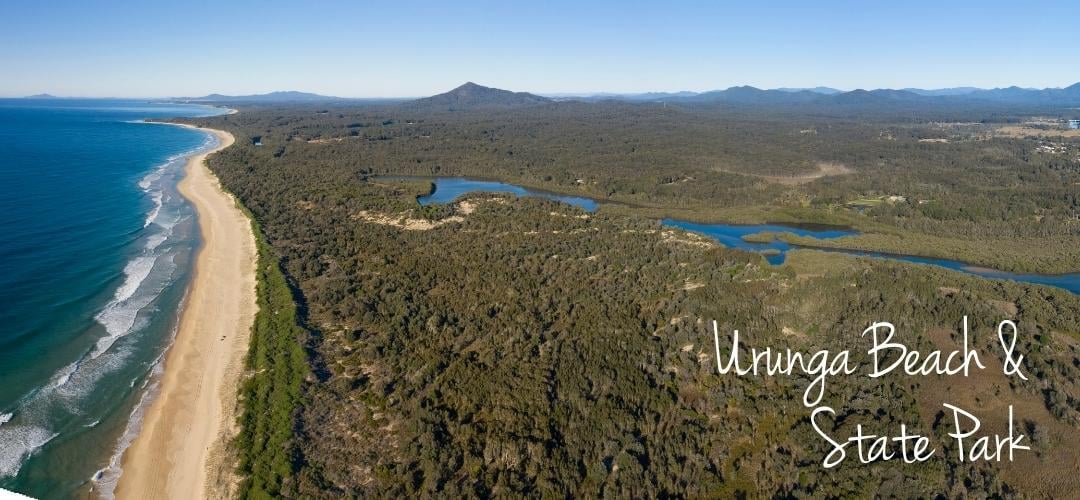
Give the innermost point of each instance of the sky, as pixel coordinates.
(406, 48)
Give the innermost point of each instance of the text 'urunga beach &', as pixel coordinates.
(886, 355)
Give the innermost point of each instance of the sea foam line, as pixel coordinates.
(27, 435)
(157, 198)
(19, 442)
(108, 477)
(64, 375)
(121, 315)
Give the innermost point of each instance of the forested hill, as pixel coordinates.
(471, 95)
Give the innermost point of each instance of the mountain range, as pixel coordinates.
(470, 95)
(282, 96)
(746, 95)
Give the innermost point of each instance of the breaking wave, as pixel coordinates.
(108, 477)
(150, 271)
(18, 443)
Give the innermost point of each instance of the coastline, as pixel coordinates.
(180, 450)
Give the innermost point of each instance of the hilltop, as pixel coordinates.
(471, 95)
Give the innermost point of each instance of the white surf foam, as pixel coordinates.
(119, 320)
(156, 240)
(18, 443)
(152, 177)
(135, 272)
(119, 315)
(69, 386)
(63, 376)
(152, 216)
(145, 277)
(107, 478)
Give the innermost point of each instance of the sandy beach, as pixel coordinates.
(180, 451)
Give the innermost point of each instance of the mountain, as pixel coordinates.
(816, 90)
(877, 97)
(650, 96)
(826, 97)
(471, 95)
(1016, 95)
(952, 91)
(752, 96)
(733, 94)
(41, 96)
(272, 97)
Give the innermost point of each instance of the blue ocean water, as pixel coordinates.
(96, 249)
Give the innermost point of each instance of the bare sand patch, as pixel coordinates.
(403, 221)
(690, 239)
(824, 169)
(692, 285)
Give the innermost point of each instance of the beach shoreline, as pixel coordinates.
(181, 450)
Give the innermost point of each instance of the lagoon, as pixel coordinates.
(448, 189)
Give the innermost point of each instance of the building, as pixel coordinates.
(1074, 124)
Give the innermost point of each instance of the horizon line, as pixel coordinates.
(540, 93)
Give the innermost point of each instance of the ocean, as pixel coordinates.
(96, 250)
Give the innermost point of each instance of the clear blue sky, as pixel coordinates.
(402, 48)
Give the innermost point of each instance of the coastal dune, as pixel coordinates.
(180, 452)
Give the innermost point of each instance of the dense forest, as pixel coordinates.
(520, 347)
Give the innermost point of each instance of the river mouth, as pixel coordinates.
(774, 250)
